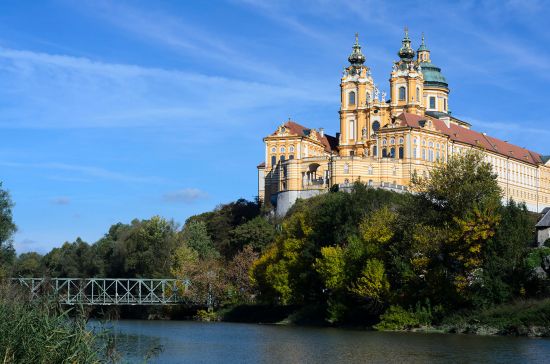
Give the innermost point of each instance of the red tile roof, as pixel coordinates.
(330, 142)
(261, 165)
(471, 137)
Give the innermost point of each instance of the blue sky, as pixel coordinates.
(114, 110)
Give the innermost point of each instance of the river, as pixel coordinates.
(196, 342)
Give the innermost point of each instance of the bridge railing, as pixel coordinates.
(108, 291)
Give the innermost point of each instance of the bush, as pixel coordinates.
(397, 318)
(206, 316)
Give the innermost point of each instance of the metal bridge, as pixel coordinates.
(107, 291)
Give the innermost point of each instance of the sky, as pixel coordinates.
(116, 110)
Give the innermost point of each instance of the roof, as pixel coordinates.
(545, 221)
(261, 165)
(330, 142)
(432, 75)
(461, 134)
(545, 158)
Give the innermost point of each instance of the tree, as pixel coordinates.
(372, 285)
(257, 233)
(29, 265)
(331, 267)
(195, 235)
(238, 274)
(7, 229)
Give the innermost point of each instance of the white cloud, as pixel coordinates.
(90, 171)
(61, 200)
(186, 195)
(58, 91)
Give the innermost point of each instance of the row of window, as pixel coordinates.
(282, 149)
(282, 158)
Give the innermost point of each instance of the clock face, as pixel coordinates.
(376, 126)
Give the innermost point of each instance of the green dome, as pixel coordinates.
(432, 75)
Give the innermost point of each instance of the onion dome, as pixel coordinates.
(356, 58)
(406, 53)
(433, 76)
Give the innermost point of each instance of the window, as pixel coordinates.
(370, 170)
(291, 149)
(444, 104)
(351, 153)
(384, 153)
(291, 156)
(414, 153)
(283, 149)
(352, 129)
(351, 98)
(402, 93)
(401, 153)
(401, 140)
(368, 97)
(392, 141)
(273, 160)
(273, 150)
(423, 154)
(392, 152)
(384, 142)
(418, 94)
(432, 102)
(376, 126)
(346, 168)
(374, 151)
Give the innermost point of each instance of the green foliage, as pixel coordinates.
(206, 316)
(397, 318)
(331, 267)
(195, 235)
(258, 233)
(29, 265)
(373, 283)
(41, 332)
(7, 229)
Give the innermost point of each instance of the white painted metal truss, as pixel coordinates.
(108, 291)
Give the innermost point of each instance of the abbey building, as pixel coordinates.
(385, 139)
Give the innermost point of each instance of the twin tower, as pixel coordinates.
(416, 87)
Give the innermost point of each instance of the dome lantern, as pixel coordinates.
(356, 58)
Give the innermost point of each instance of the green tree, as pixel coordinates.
(7, 229)
(331, 267)
(257, 233)
(372, 285)
(195, 235)
(29, 265)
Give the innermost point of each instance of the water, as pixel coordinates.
(195, 342)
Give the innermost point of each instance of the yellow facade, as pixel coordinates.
(385, 138)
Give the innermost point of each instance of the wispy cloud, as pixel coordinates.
(61, 91)
(61, 200)
(186, 195)
(90, 171)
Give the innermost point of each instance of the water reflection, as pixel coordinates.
(193, 342)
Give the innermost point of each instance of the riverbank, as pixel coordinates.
(529, 318)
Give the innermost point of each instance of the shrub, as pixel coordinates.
(397, 318)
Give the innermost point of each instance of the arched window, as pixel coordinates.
(392, 152)
(351, 98)
(273, 160)
(392, 141)
(376, 126)
(291, 149)
(401, 140)
(374, 151)
(402, 93)
(282, 158)
(283, 149)
(418, 94)
(346, 168)
(273, 150)
(291, 156)
(384, 142)
(401, 153)
(384, 153)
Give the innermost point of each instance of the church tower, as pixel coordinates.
(357, 93)
(406, 82)
(436, 89)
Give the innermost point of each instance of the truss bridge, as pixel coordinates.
(107, 291)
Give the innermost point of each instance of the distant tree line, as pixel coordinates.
(450, 245)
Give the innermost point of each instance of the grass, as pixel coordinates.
(42, 332)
